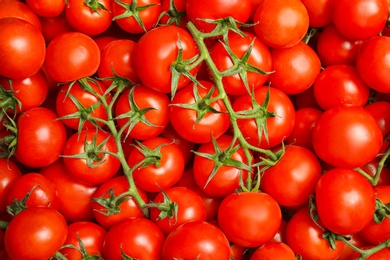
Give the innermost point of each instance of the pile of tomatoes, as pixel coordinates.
(187, 129)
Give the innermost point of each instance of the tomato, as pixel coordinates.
(71, 56)
(117, 60)
(9, 173)
(189, 206)
(197, 11)
(188, 242)
(372, 64)
(371, 168)
(259, 209)
(319, 12)
(45, 8)
(41, 137)
(345, 201)
(223, 180)
(382, 254)
(366, 18)
(106, 212)
(21, 10)
(135, 238)
(44, 228)
(86, 159)
(142, 112)
(158, 164)
(340, 85)
(22, 48)
(259, 57)
(78, 106)
(157, 54)
(136, 17)
(31, 91)
(37, 189)
(170, 16)
(305, 238)
(373, 232)
(192, 116)
(91, 17)
(74, 196)
(306, 99)
(347, 137)
(86, 236)
(380, 110)
(348, 252)
(334, 48)
(305, 119)
(54, 26)
(274, 128)
(293, 178)
(272, 26)
(294, 68)
(273, 250)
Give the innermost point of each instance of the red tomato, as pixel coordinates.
(86, 236)
(21, 10)
(295, 68)
(191, 113)
(372, 64)
(142, 112)
(94, 166)
(293, 178)
(54, 26)
(345, 201)
(224, 180)
(41, 137)
(91, 18)
(366, 18)
(306, 99)
(273, 250)
(135, 238)
(371, 168)
(9, 173)
(156, 54)
(273, 28)
(380, 110)
(348, 252)
(197, 11)
(382, 254)
(158, 164)
(174, 13)
(259, 57)
(46, 8)
(71, 56)
(74, 196)
(340, 85)
(319, 12)
(277, 117)
(305, 238)
(22, 48)
(108, 210)
(44, 228)
(188, 242)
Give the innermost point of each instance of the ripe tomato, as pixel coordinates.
(91, 164)
(74, 196)
(345, 201)
(54, 26)
(338, 85)
(46, 8)
(188, 242)
(259, 58)
(382, 254)
(35, 233)
(294, 177)
(158, 164)
(380, 110)
(22, 48)
(106, 212)
(347, 137)
(366, 18)
(9, 173)
(273, 250)
(135, 238)
(294, 68)
(305, 238)
(190, 113)
(319, 12)
(156, 53)
(281, 23)
(257, 208)
(21, 10)
(71, 56)
(41, 137)
(275, 128)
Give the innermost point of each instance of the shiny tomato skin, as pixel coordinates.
(257, 208)
(29, 225)
(10, 172)
(41, 137)
(273, 250)
(22, 48)
(319, 12)
(21, 10)
(192, 237)
(345, 201)
(46, 8)
(380, 110)
(54, 26)
(347, 137)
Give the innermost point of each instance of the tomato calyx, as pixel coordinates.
(19, 205)
(95, 5)
(175, 16)
(111, 204)
(9, 142)
(382, 211)
(152, 156)
(132, 10)
(8, 101)
(169, 209)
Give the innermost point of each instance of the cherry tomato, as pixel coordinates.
(320, 12)
(273, 250)
(21, 10)
(45, 8)
(10, 172)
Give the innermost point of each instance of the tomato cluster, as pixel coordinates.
(184, 129)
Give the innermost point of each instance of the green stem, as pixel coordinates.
(365, 253)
